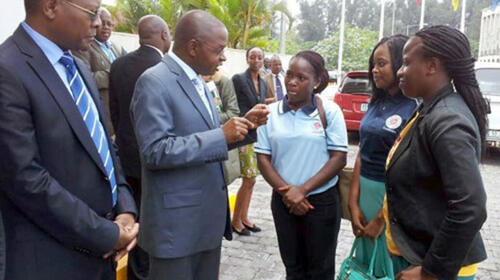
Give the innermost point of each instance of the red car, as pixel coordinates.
(353, 96)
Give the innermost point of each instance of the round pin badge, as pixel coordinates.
(393, 121)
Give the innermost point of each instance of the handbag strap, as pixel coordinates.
(355, 245)
(321, 111)
(374, 254)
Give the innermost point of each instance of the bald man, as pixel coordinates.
(99, 57)
(184, 207)
(64, 201)
(154, 39)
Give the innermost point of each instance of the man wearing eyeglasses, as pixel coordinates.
(67, 211)
(99, 57)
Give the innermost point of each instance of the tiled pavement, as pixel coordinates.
(257, 256)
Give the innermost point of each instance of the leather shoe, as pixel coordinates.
(244, 232)
(255, 228)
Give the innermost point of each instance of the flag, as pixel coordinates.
(494, 5)
(455, 3)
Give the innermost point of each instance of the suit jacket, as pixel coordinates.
(123, 75)
(271, 90)
(435, 194)
(227, 94)
(100, 66)
(184, 206)
(55, 197)
(246, 92)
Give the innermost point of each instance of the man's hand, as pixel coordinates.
(257, 115)
(127, 238)
(127, 220)
(414, 273)
(235, 129)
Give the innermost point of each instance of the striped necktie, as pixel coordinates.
(87, 109)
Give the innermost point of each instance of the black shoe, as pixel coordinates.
(244, 232)
(255, 228)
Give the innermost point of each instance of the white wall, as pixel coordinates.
(11, 14)
(235, 63)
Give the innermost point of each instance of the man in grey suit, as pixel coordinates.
(184, 211)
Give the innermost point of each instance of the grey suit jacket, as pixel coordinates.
(184, 197)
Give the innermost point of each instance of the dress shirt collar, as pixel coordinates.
(52, 51)
(187, 69)
(106, 44)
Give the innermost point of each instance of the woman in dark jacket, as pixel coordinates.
(436, 203)
(251, 89)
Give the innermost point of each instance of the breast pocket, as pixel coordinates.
(182, 199)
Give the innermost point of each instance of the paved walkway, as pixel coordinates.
(257, 256)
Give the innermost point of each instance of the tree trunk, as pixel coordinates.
(247, 25)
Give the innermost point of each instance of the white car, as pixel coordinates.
(488, 77)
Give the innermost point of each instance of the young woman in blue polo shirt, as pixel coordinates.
(388, 112)
(300, 159)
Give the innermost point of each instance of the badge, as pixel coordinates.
(393, 121)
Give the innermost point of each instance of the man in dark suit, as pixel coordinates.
(184, 208)
(65, 205)
(154, 38)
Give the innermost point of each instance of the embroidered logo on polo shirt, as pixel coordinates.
(318, 129)
(393, 121)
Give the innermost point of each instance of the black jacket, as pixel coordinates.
(436, 199)
(246, 93)
(123, 75)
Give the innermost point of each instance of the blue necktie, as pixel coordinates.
(109, 53)
(86, 108)
(279, 90)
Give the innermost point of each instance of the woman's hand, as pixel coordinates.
(358, 220)
(293, 195)
(414, 273)
(374, 227)
(295, 199)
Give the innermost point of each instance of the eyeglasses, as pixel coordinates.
(92, 15)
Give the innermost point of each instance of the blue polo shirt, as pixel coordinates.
(380, 127)
(297, 142)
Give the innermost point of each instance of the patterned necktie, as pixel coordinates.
(89, 114)
(279, 90)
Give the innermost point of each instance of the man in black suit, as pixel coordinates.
(154, 38)
(65, 204)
